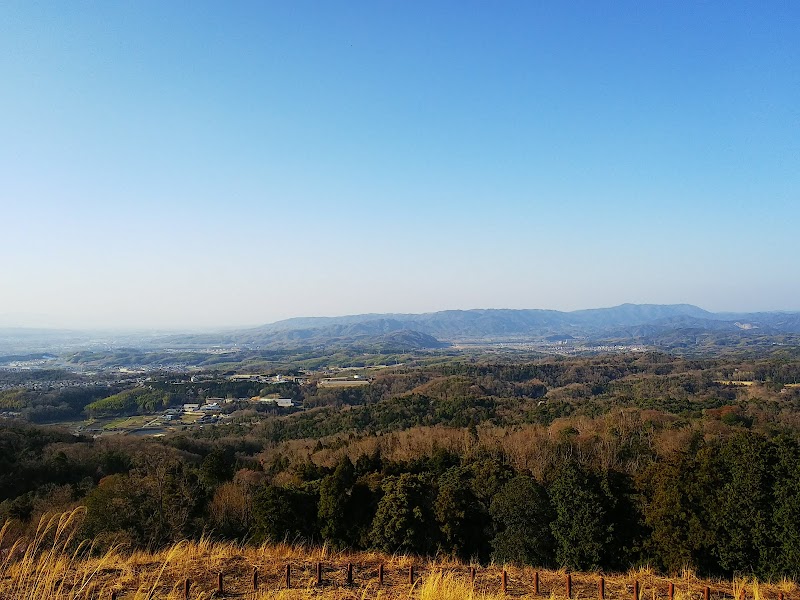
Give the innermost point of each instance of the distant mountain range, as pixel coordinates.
(673, 326)
(633, 323)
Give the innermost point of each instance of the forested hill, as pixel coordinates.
(672, 325)
(479, 323)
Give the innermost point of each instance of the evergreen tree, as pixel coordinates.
(680, 493)
(580, 527)
(217, 467)
(522, 515)
(786, 507)
(334, 510)
(461, 516)
(281, 514)
(403, 521)
(741, 513)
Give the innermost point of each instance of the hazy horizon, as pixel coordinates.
(9, 322)
(213, 166)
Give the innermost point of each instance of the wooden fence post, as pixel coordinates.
(569, 585)
(220, 589)
(636, 590)
(380, 574)
(187, 585)
(536, 583)
(601, 589)
(706, 593)
(411, 574)
(504, 581)
(288, 576)
(472, 575)
(255, 579)
(671, 591)
(349, 573)
(319, 573)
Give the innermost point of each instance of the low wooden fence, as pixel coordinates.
(410, 576)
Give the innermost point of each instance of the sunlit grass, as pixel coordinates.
(739, 588)
(54, 564)
(446, 586)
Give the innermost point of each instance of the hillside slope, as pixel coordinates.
(215, 570)
(675, 325)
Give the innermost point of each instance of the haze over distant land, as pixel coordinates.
(231, 165)
(30, 324)
(678, 327)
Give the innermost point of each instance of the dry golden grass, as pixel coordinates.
(53, 565)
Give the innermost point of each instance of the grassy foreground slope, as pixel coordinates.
(56, 566)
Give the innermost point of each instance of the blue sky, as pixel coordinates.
(189, 164)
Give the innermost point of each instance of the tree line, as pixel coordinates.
(608, 462)
(723, 506)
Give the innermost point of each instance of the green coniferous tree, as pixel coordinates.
(334, 510)
(786, 507)
(522, 515)
(461, 516)
(740, 515)
(580, 528)
(403, 521)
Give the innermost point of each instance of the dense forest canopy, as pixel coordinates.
(603, 462)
